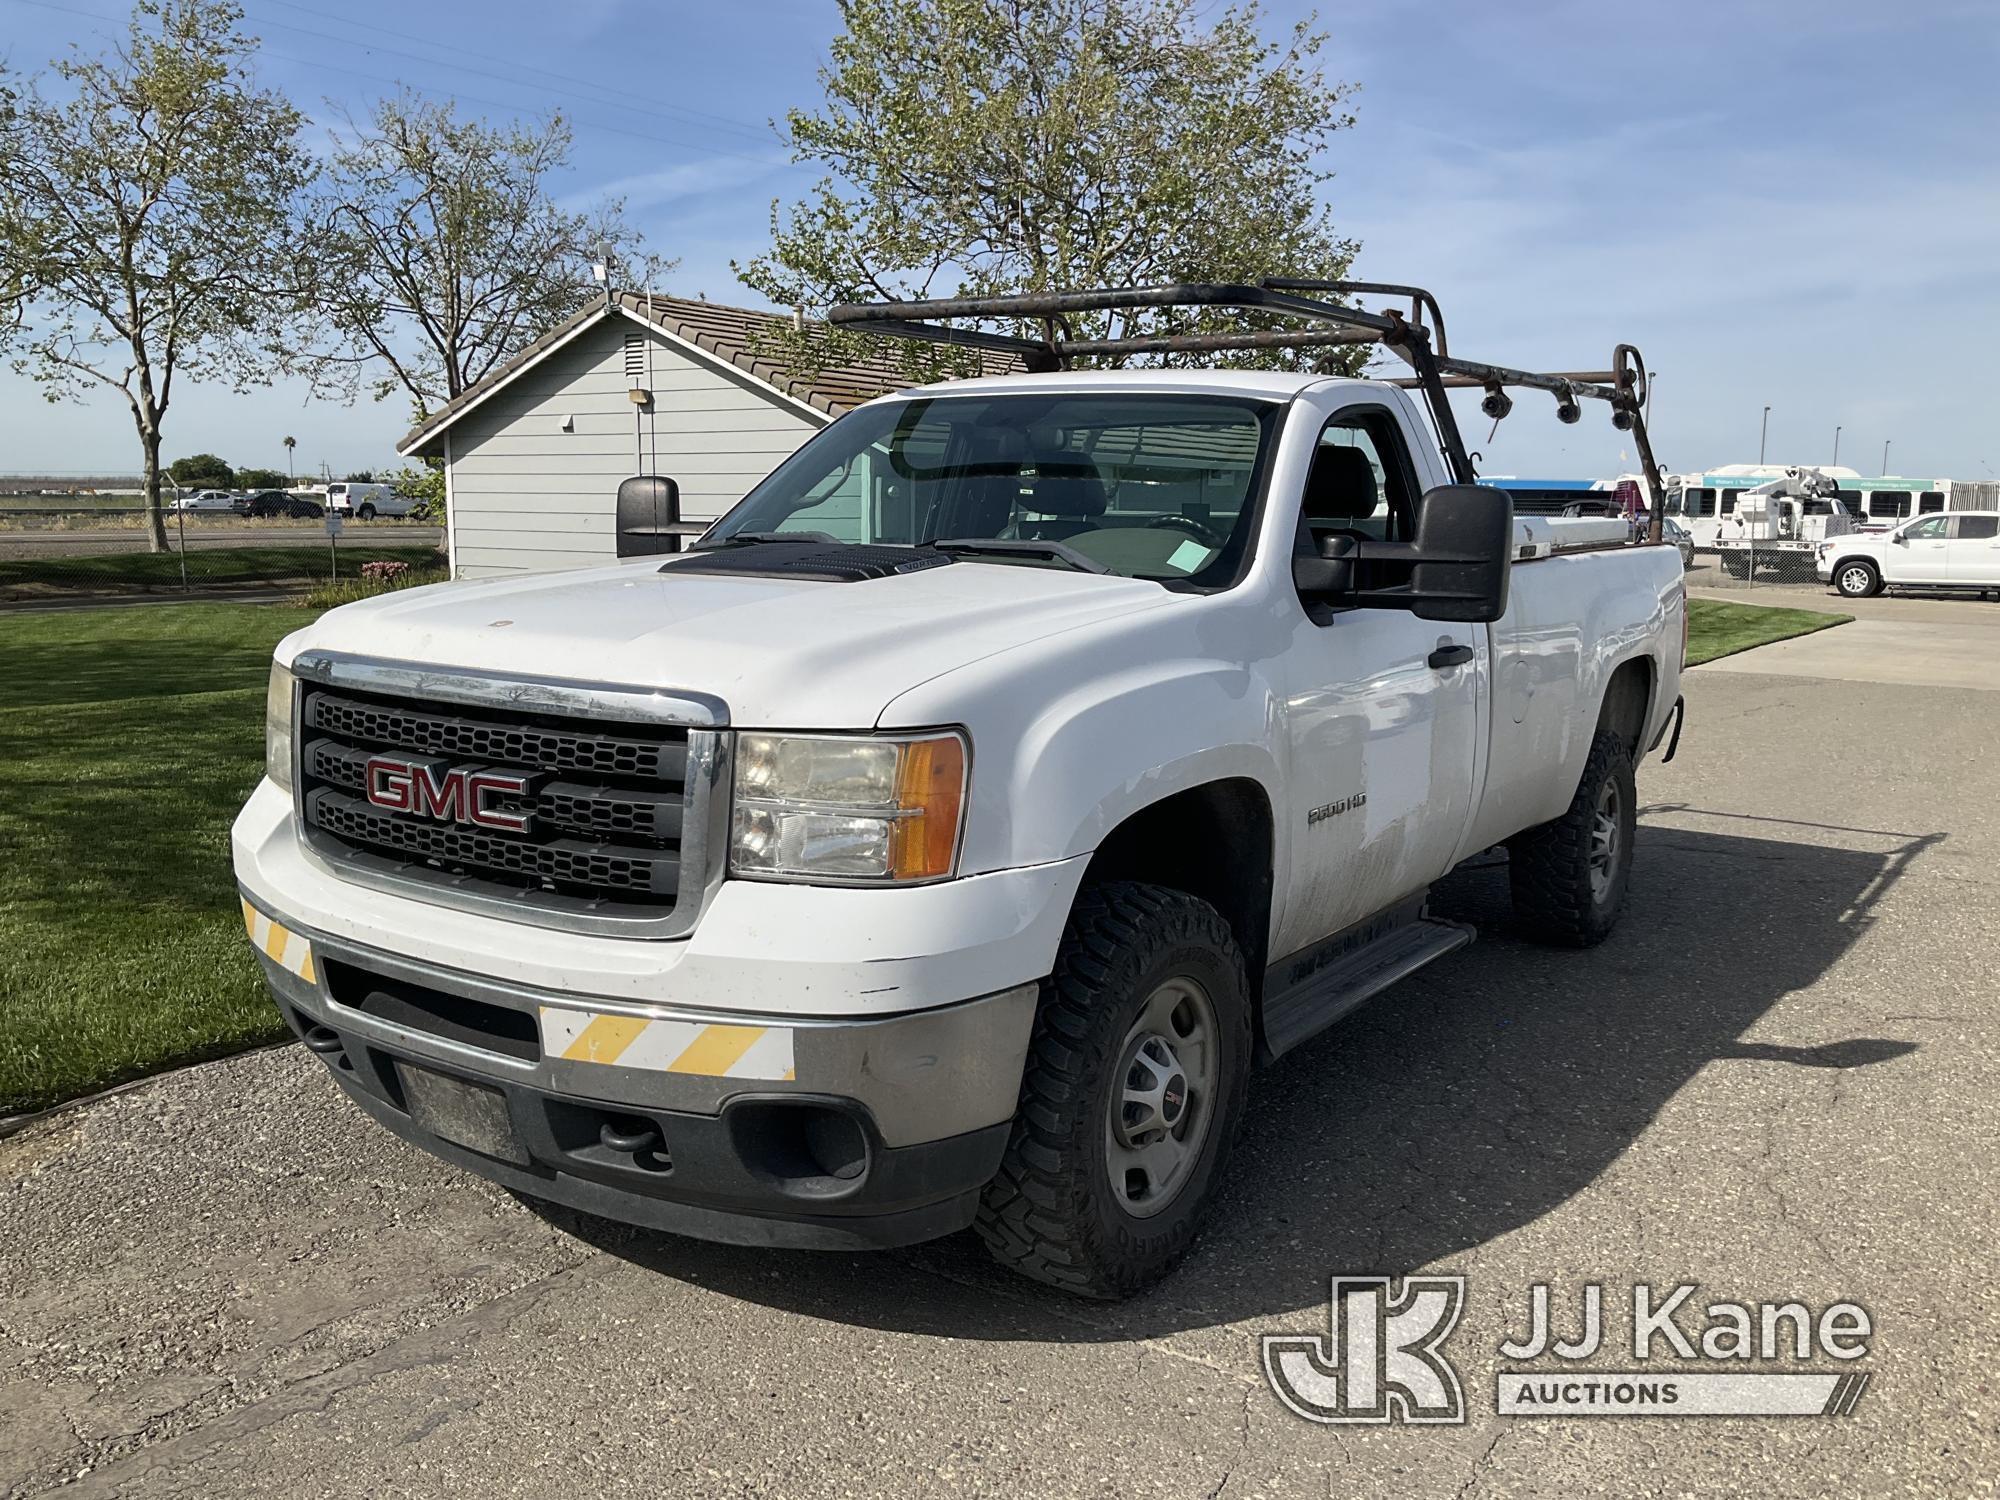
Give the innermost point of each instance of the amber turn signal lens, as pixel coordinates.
(930, 793)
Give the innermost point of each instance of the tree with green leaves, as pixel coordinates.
(201, 471)
(147, 196)
(444, 252)
(978, 147)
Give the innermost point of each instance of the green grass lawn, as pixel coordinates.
(1717, 629)
(128, 738)
(210, 564)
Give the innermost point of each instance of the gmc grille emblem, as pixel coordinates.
(451, 794)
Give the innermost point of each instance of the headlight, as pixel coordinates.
(278, 726)
(847, 808)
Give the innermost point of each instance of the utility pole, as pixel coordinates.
(1763, 434)
(1885, 457)
(1836, 447)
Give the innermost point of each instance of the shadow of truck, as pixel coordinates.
(1467, 1102)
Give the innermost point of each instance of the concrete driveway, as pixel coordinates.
(1777, 1080)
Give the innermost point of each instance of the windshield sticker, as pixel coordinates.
(1188, 556)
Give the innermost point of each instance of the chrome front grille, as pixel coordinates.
(621, 808)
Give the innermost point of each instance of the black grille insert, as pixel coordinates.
(418, 1007)
(604, 805)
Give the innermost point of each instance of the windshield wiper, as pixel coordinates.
(976, 546)
(751, 538)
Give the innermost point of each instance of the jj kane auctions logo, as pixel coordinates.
(1383, 1358)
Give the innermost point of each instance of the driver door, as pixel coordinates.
(1920, 552)
(1381, 707)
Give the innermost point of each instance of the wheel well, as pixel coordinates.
(1213, 842)
(1626, 698)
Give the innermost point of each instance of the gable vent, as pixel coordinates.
(635, 354)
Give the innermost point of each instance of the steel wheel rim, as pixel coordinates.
(1152, 1139)
(1605, 834)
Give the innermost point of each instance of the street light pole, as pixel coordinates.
(1836, 447)
(1763, 434)
(1885, 457)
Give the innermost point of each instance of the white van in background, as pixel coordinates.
(364, 502)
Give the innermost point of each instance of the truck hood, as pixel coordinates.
(783, 653)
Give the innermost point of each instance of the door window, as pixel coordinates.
(1931, 530)
(1978, 528)
(1360, 480)
(1361, 485)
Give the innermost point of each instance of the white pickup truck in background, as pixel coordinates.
(944, 838)
(1949, 550)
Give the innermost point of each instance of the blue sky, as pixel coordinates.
(1784, 203)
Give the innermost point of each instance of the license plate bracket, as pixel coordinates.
(466, 1114)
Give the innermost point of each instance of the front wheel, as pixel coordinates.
(1136, 1075)
(1856, 579)
(1734, 566)
(367, 513)
(1570, 876)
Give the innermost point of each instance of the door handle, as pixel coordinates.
(1450, 655)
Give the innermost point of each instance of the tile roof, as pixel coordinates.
(741, 336)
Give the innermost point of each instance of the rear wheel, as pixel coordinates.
(1856, 578)
(1570, 876)
(1135, 1081)
(367, 513)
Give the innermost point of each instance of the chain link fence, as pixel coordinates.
(1750, 565)
(53, 553)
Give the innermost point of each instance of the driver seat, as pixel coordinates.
(1068, 498)
(1341, 490)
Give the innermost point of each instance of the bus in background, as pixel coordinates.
(1554, 497)
(1702, 502)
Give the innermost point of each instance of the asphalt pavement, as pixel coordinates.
(1777, 1080)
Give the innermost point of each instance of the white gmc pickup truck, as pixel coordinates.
(942, 840)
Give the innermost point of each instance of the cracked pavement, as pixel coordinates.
(1777, 1080)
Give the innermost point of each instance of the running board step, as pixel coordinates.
(1306, 1008)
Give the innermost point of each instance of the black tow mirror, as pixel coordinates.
(649, 517)
(1465, 553)
(1458, 568)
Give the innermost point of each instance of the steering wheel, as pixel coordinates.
(1191, 526)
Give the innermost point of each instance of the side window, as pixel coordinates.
(1927, 531)
(1929, 501)
(1850, 501)
(1360, 482)
(1978, 528)
(1889, 503)
(1702, 502)
(1729, 501)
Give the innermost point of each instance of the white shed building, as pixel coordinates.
(533, 455)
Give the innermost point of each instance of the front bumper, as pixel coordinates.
(831, 1133)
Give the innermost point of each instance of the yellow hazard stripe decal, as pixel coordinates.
(696, 1049)
(279, 943)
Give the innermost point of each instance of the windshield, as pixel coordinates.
(1157, 487)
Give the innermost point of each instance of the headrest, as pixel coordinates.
(1072, 490)
(1339, 487)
